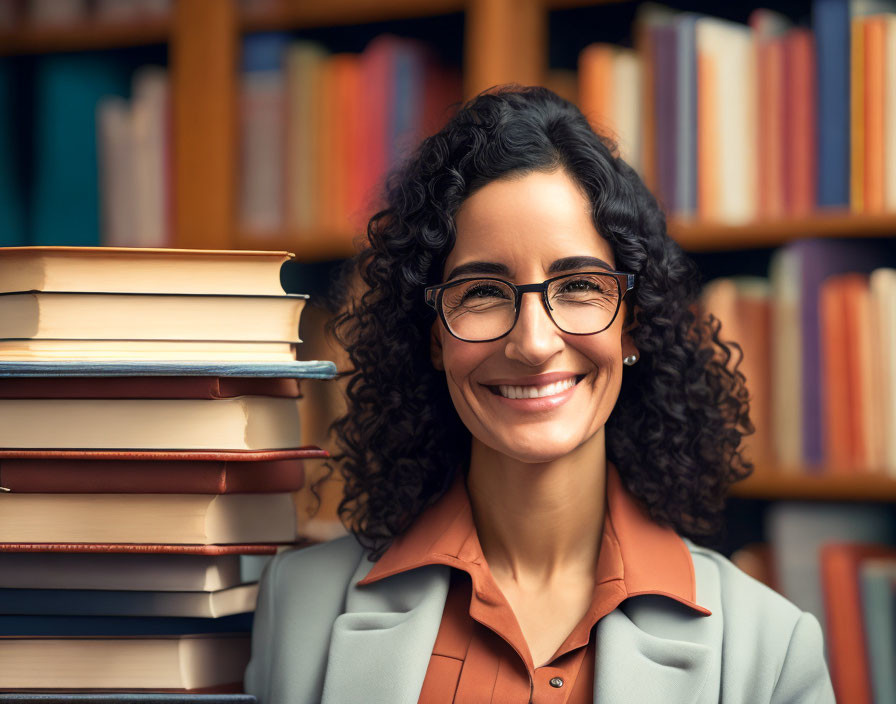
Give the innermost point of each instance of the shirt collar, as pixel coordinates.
(646, 557)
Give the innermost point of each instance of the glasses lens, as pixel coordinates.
(480, 309)
(584, 303)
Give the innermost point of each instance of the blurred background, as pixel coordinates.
(768, 133)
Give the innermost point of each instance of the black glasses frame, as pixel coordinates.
(433, 296)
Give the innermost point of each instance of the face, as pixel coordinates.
(524, 226)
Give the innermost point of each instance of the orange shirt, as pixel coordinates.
(480, 654)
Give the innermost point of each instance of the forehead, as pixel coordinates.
(526, 223)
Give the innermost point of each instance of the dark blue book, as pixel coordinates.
(12, 198)
(121, 625)
(407, 110)
(830, 23)
(129, 698)
(64, 198)
(291, 370)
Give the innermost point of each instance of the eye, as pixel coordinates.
(586, 284)
(481, 290)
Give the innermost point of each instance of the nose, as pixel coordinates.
(534, 339)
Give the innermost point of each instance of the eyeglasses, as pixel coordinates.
(486, 309)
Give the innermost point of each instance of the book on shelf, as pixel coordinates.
(155, 472)
(241, 423)
(13, 229)
(610, 95)
(63, 193)
(301, 65)
(189, 662)
(848, 613)
(743, 306)
(141, 270)
(321, 173)
(148, 518)
(134, 154)
(878, 584)
(238, 599)
(797, 531)
(748, 122)
(262, 131)
(157, 572)
(196, 317)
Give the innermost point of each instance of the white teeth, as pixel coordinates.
(536, 391)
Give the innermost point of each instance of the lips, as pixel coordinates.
(544, 386)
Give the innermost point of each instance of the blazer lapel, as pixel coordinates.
(637, 667)
(381, 645)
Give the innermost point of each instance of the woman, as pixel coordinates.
(536, 418)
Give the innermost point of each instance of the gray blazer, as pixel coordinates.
(318, 637)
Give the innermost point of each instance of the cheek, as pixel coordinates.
(461, 359)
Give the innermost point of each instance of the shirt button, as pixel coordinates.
(556, 682)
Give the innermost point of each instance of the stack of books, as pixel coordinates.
(150, 459)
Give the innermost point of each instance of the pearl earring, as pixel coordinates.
(630, 360)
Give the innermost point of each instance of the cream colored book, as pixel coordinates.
(146, 316)
(97, 662)
(146, 350)
(726, 122)
(141, 270)
(786, 361)
(882, 284)
(240, 423)
(890, 113)
(147, 519)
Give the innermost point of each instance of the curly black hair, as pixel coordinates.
(675, 432)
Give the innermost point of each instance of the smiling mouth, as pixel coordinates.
(532, 391)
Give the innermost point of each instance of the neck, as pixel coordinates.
(538, 522)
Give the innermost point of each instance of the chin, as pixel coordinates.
(535, 451)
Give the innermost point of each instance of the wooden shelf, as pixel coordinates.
(293, 15)
(843, 487)
(708, 237)
(84, 36)
(322, 246)
(693, 237)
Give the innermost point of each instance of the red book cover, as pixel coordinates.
(173, 387)
(378, 95)
(835, 374)
(845, 634)
(800, 124)
(154, 472)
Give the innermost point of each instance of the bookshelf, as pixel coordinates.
(504, 41)
(83, 36)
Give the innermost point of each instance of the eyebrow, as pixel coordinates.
(497, 269)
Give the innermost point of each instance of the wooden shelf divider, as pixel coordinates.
(777, 485)
(84, 36)
(294, 15)
(710, 237)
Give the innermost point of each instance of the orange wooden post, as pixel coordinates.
(203, 57)
(506, 42)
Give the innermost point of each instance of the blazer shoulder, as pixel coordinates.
(329, 561)
(772, 650)
(735, 588)
(302, 592)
